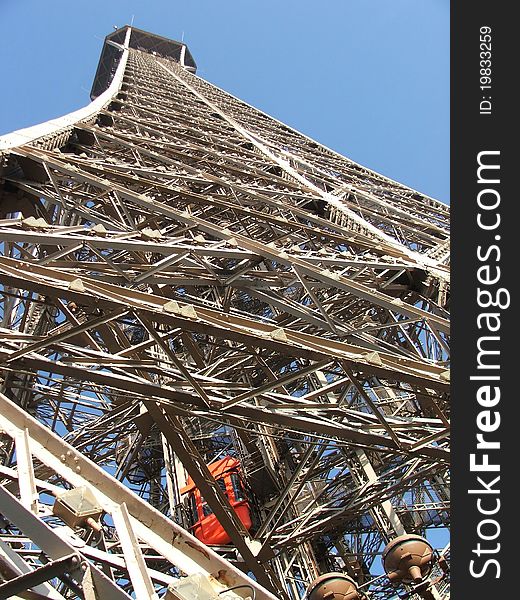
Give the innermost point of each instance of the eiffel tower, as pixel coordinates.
(186, 279)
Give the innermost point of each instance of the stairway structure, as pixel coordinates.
(184, 278)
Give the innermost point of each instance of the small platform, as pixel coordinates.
(139, 40)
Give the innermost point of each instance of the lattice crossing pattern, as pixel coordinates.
(183, 278)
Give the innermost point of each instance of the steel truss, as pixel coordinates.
(184, 277)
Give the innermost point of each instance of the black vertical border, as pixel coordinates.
(471, 133)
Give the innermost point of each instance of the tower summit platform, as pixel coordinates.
(138, 40)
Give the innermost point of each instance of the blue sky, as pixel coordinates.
(368, 78)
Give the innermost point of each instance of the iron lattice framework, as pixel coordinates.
(184, 277)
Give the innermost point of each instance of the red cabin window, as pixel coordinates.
(238, 490)
(194, 517)
(222, 485)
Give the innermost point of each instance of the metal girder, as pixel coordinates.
(104, 294)
(135, 520)
(64, 558)
(271, 252)
(217, 500)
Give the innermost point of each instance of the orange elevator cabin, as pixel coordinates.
(204, 524)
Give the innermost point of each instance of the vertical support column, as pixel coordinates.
(135, 563)
(26, 481)
(386, 506)
(392, 519)
(171, 485)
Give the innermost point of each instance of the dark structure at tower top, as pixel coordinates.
(139, 40)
